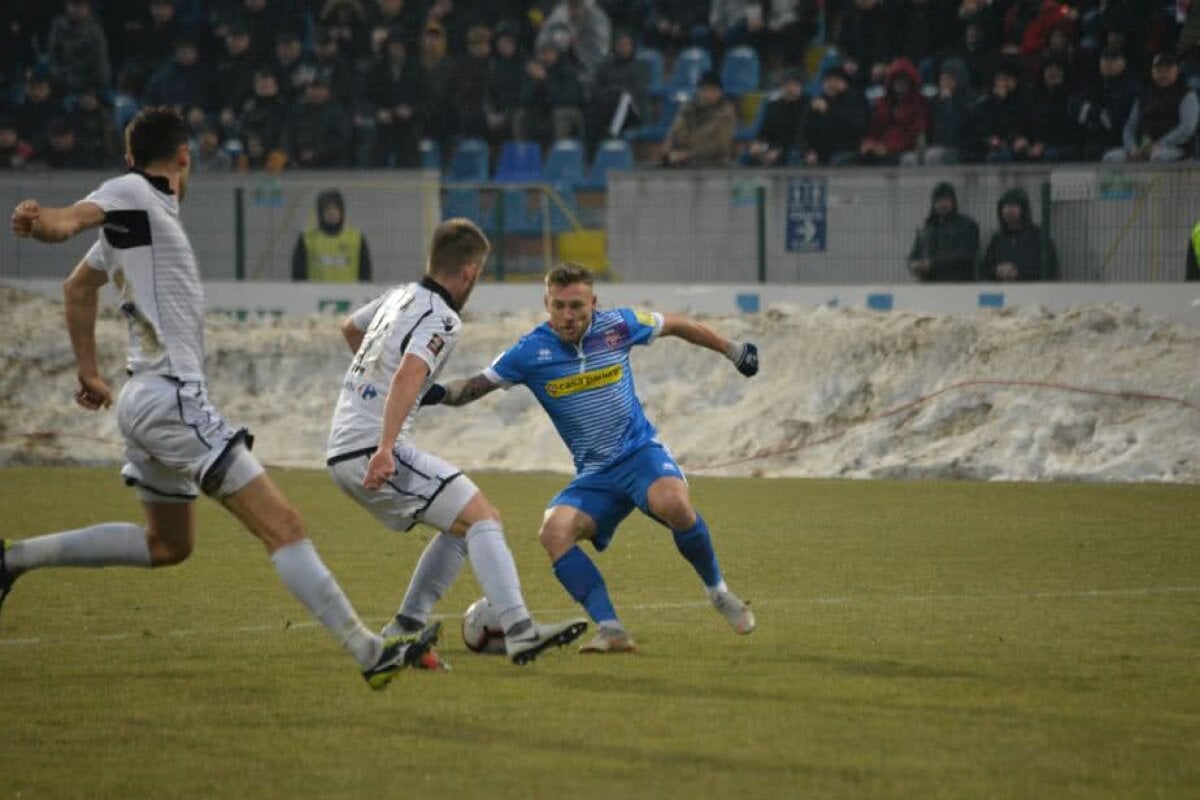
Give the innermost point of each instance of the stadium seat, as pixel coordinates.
(653, 59)
(740, 71)
(431, 154)
(747, 133)
(470, 162)
(463, 203)
(519, 218)
(690, 65)
(656, 131)
(520, 162)
(610, 155)
(564, 165)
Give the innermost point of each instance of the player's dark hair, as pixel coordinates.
(568, 273)
(456, 243)
(155, 134)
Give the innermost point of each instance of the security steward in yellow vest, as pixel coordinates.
(1193, 258)
(331, 251)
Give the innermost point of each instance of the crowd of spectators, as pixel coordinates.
(342, 83)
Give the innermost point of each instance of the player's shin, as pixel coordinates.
(695, 544)
(436, 571)
(496, 571)
(583, 581)
(108, 544)
(311, 582)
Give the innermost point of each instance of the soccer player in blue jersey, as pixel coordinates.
(577, 366)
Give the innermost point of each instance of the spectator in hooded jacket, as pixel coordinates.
(552, 99)
(468, 83)
(621, 74)
(93, 123)
(263, 118)
(1162, 124)
(502, 93)
(947, 245)
(950, 117)
(181, 82)
(78, 49)
(1054, 133)
(233, 76)
(1015, 252)
(583, 34)
(331, 251)
(1105, 105)
(836, 121)
(703, 130)
(899, 119)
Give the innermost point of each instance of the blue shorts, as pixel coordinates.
(609, 495)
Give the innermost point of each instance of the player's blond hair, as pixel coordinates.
(569, 273)
(456, 243)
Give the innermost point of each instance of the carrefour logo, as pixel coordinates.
(585, 381)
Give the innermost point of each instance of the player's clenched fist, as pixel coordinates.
(744, 356)
(381, 467)
(24, 215)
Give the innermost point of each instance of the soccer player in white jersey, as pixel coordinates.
(577, 366)
(401, 342)
(176, 443)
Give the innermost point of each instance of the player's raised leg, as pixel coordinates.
(563, 527)
(669, 501)
(264, 511)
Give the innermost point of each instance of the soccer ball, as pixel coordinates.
(481, 629)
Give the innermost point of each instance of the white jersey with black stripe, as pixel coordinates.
(145, 251)
(419, 320)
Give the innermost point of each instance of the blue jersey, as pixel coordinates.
(586, 388)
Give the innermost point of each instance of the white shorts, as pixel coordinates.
(425, 488)
(177, 444)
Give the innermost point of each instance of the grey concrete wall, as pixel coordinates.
(1129, 225)
(396, 211)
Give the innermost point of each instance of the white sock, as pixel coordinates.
(436, 571)
(497, 574)
(713, 591)
(108, 544)
(307, 577)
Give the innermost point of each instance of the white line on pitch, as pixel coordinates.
(883, 598)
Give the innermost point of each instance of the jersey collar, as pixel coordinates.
(157, 181)
(441, 291)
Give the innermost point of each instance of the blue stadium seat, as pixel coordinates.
(519, 218)
(463, 203)
(657, 131)
(740, 71)
(747, 133)
(431, 154)
(610, 155)
(653, 59)
(690, 65)
(565, 163)
(520, 162)
(470, 164)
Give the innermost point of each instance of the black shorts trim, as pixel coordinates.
(135, 482)
(444, 483)
(353, 454)
(211, 481)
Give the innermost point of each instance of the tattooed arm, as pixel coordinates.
(459, 393)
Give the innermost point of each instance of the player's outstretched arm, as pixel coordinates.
(81, 292)
(744, 355)
(53, 225)
(459, 393)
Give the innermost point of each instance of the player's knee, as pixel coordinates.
(287, 528)
(557, 539)
(677, 512)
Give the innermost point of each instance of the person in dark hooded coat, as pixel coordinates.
(947, 245)
(1015, 252)
(331, 251)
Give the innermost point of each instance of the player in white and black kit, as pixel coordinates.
(401, 341)
(176, 443)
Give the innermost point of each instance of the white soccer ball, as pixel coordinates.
(481, 631)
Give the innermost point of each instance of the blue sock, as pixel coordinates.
(579, 576)
(696, 546)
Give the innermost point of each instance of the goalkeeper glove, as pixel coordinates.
(744, 357)
(435, 395)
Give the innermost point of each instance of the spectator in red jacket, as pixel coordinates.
(899, 119)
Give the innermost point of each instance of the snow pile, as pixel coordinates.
(842, 393)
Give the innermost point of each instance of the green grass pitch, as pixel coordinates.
(915, 640)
